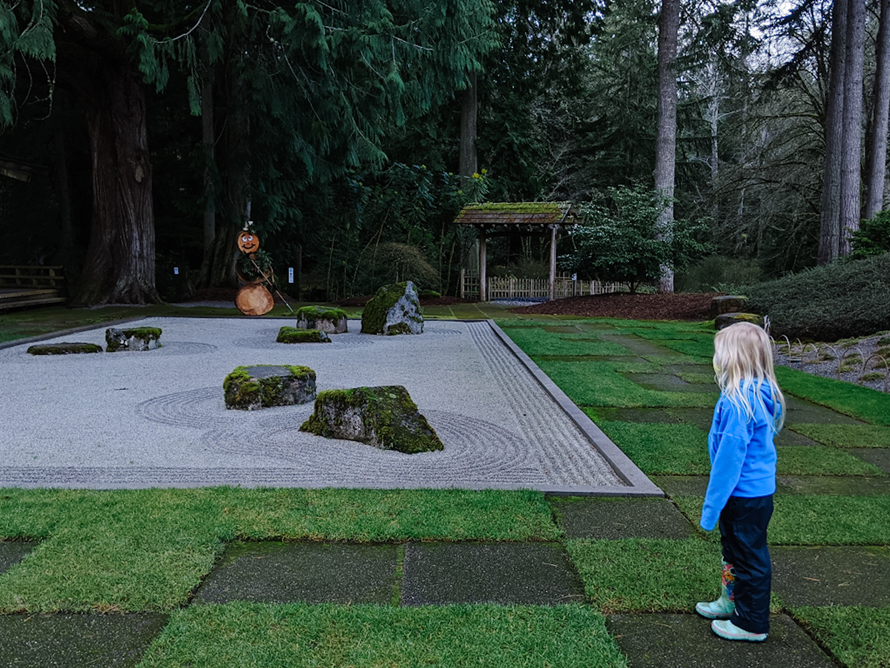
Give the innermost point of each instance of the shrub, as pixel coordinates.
(872, 238)
(835, 301)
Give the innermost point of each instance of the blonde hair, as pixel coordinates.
(743, 357)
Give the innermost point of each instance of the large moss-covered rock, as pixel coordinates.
(137, 338)
(250, 388)
(384, 417)
(728, 304)
(395, 309)
(328, 320)
(294, 335)
(64, 348)
(727, 319)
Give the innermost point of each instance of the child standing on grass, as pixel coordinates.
(748, 415)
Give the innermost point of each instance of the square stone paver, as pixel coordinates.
(620, 518)
(681, 485)
(505, 573)
(310, 572)
(831, 575)
(667, 382)
(74, 641)
(700, 417)
(831, 485)
(686, 641)
(879, 457)
(800, 410)
(13, 552)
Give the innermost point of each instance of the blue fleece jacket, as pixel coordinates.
(742, 451)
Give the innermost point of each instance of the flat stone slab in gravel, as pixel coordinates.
(303, 572)
(12, 553)
(831, 485)
(879, 457)
(73, 641)
(620, 518)
(505, 573)
(673, 640)
(831, 575)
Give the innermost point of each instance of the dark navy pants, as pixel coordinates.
(743, 524)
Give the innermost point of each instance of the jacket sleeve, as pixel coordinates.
(732, 434)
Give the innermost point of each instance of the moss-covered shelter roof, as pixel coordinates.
(498, 214)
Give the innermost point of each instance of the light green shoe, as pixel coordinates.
(722, 608)
(726, 629)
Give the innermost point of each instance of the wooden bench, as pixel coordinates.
(22, 286)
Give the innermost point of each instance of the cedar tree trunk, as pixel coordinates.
(120, 262)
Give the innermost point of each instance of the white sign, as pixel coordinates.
(290, 274)
(176, 271)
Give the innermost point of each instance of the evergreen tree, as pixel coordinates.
(310, 88)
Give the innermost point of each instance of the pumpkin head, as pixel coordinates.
(248, 242)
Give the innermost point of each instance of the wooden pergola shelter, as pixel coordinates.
(501, 218)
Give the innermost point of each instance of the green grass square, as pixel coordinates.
(662, 449)
(537, 341)
(846, 435)
(647, 575)
(818, 520)
(366, 636)
(858, 636)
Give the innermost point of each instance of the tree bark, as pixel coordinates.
(851, 162)
(666, 142)
(468, 113)
(120, 262)
(829, 228)
(208, 138)
(876, 148)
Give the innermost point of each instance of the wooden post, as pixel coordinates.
(483, 278)
(463, 283)
(553, 229)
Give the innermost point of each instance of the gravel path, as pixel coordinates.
(157, 418)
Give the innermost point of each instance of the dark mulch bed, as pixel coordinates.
(671, 306)
(438, 301)
(228, 295)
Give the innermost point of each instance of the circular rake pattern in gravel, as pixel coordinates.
(196, 409)
(475, 450)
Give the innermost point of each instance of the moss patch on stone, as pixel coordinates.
(384, 417)
(374, 315)
(64, 348)
(320, 312)
(727, 319)
(294, 335)
(267, 385)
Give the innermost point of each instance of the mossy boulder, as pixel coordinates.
(250, 388)
(328, 320)
(136, 338)
(728, 304)
(727, 319)
(384, 417)
(294, 335)
(64, 348)
(395, 309)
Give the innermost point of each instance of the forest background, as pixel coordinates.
(141, 136)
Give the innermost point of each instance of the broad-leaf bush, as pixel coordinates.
(835, 301)
(620, 240)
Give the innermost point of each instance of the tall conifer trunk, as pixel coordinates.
(120, 262)
(829, 229)
(851, 166)
(876, 148)
(666, 142)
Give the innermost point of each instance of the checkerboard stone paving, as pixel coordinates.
(674, 640)
(613, 518)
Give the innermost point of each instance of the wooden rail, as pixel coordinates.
(22, 286)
